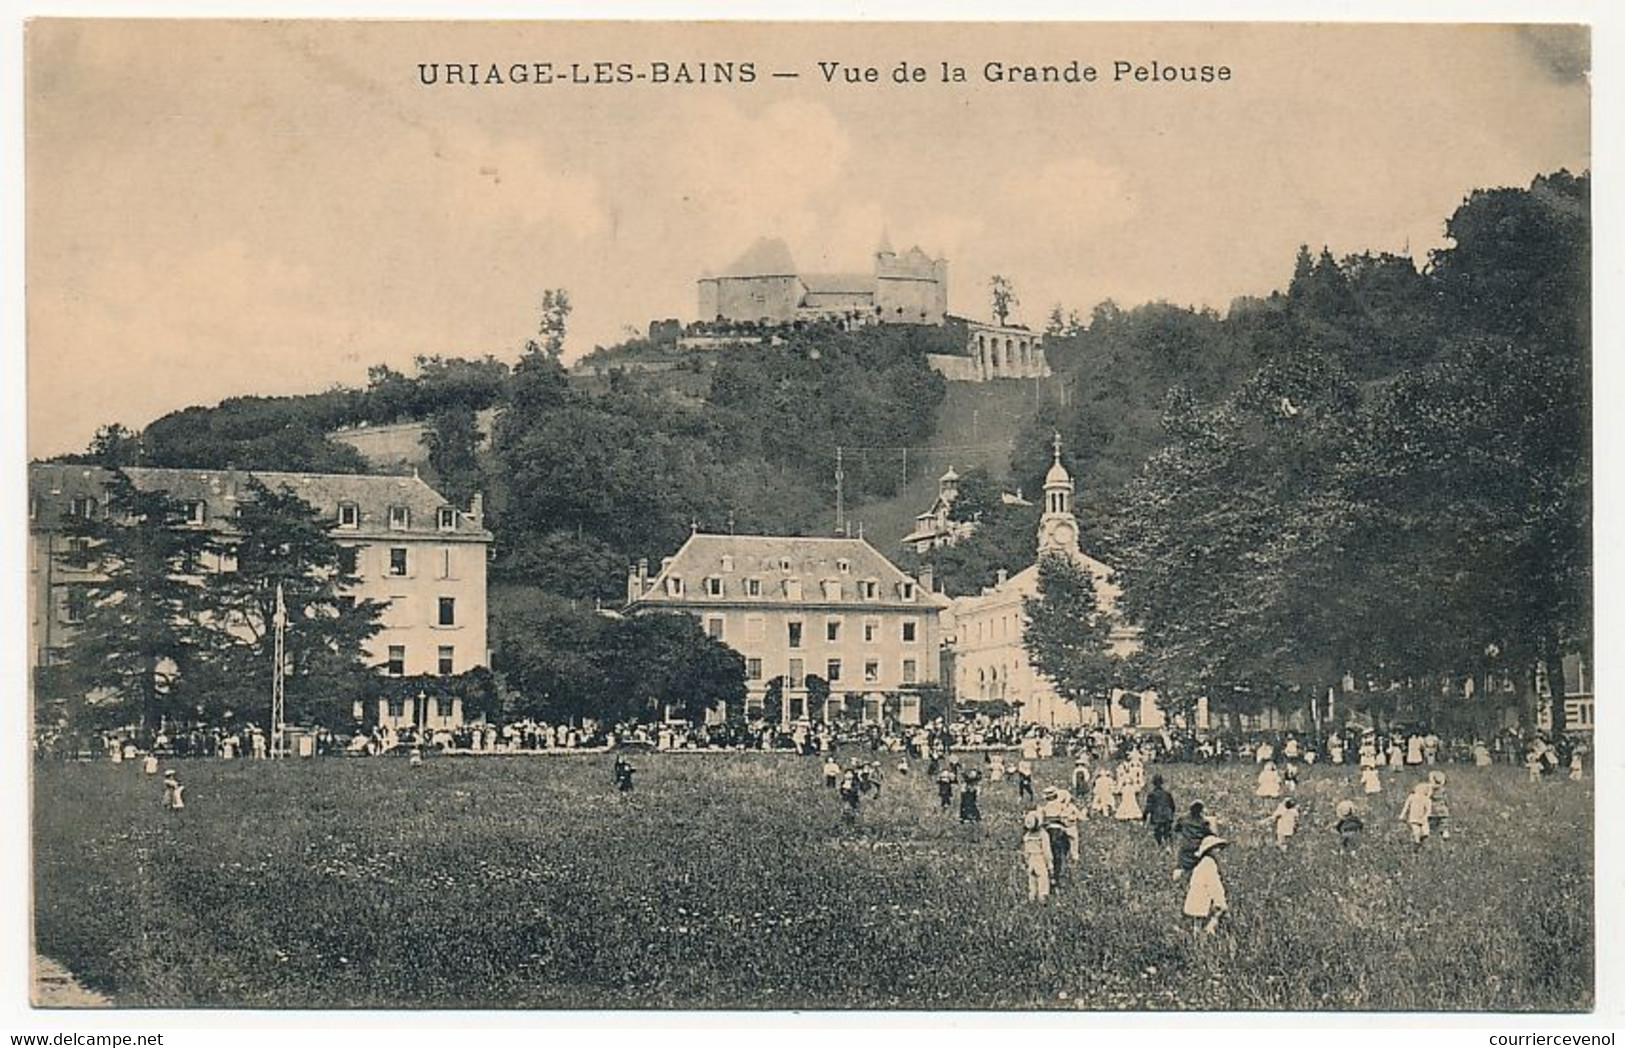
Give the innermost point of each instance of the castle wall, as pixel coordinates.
(771, 298)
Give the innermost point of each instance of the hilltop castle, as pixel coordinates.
(763, 286)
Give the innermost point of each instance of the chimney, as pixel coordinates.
(476, 509)
(928, 577)
(1004, 576)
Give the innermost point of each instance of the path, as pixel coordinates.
(55, 987)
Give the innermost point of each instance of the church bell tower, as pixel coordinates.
(1058, 528)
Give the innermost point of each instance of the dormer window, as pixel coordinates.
(832, 589)
(906, 590)
(753, 587)
(727, 564)
(197, 512)
(400, 518)
(83, 507)
(713, 586)
(446, 518)
(349, 515)
(784, 563)
(674, 586)
(869, 589)
(792, 589)
(844, 566)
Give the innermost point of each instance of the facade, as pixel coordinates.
(765, 287)
(937, 526)
(422, 557)
(990, 659)
(1004, 351)
(799, 607)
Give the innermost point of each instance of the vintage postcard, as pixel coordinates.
(798, 516)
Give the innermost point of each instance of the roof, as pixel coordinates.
(220, 489)
(768, 257)
(775, 559)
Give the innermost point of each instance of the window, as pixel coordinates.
(753, 587)
(832, 589)
(442, 705)
(714, 627)
(444, 561)
(75, 604)
(78, 553)
(871, 671)
(713, 586)
(674, 586)
(197, 512)
(445, 518)
(911, 630)
(795, 635)
(911, 671)
(784, 563)
(346, 603)
(832, 630)
(871, 630)
(792, 589)
(397, 707)
(400, 518)
(753, 669)
(797, 673)
(83, 507)
(448, 611)
(446, 657)
(349, 515)
(869, 589)
(397, 561)
(906, 590)
(844, 566)
(727, 564)
(397, 662)
(349, 560)
(832, 670)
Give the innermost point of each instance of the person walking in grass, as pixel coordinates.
(832, 772)
(1349, 826)
(1189, 831)
(623, 774)
(1371, 780)
(1438, 805)
(1285, 818)
(1418, 806)
(174, 792)
(1269, 782)
(1103, 799)
(1159, 812)
(945, 789)
(969, 797)
(1205, 900)
(1035, 856)
(1024, 781)
(851, 795)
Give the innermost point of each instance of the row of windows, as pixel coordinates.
(795, 630)
(842, 565)
(445, 661)
(398, 562)
(791, 589)
(796, 671)
(76, 604)
(443, 705)
(349, 513)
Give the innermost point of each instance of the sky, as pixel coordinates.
(220, 208)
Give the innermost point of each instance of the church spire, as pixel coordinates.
(1057, 528)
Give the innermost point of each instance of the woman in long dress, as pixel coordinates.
(1205, 900)
(1130, 778)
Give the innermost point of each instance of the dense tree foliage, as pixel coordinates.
(1066, 637)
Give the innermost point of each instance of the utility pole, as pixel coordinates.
(840, 493)
(279, 698)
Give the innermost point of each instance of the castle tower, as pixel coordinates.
(1058, 528)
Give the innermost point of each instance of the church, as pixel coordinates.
(990, 659)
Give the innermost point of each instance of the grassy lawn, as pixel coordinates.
(730, 881)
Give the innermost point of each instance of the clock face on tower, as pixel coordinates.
(1062, 533)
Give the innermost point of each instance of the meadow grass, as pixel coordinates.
(730, 881)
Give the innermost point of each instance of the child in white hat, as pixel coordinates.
(1371, 780)
(173, 791)
(1035, 856)
(1418, 806)
(1205, 900)
(1285, 818)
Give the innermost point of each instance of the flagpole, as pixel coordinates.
(279, 623)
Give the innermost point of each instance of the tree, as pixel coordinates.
(555, 312)
(817, 697)
(453, 442)
(1004, 299)
(281, 541)
(551, 654)
(1067, 637)
(114, 447)
(665, 661)
(141, 629)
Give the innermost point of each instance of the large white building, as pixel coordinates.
(986, 629)
(409, 548)
(835, 608)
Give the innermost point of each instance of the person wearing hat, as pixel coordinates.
(1103, 799)
(945, 789)
(969, 809)
(1418, 806)
(1349, 826)
(1439, 805)
(1205, 900)
(1035, 856)
(1190, 830)
(1061, 824)
(1285, 818)
(174, 799)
